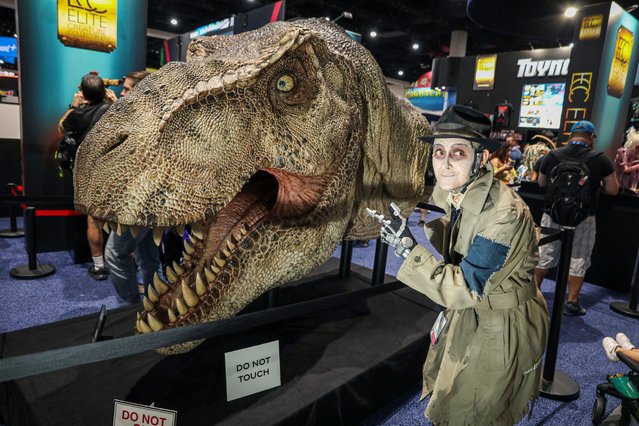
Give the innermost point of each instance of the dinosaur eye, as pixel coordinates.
(285, 83)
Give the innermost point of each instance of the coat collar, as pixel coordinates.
(475, 197)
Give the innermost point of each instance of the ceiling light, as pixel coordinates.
(632, 8)
(373, 34)
(15, 35)
(570, 12)
(443, 87)
(571, 45)
(174, 21)
(327, 18)
(415, 46)
(400, 72)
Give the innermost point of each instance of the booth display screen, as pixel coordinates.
(8, 49)
(541, 105)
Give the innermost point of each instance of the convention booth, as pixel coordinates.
(550, 89)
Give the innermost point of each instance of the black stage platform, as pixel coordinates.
(337, 366)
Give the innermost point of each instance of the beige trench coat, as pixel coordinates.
(486, 365)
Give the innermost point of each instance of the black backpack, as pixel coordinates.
(570, 197)
(68, 146)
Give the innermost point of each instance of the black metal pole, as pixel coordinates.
(32, 269)
(379, 267)
(555, 384)
(29, 225)
(272, 297)
(346, 258)
(14, 222)
(630, 310)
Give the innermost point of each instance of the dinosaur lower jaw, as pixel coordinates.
(219, 247)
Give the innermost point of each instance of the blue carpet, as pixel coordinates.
(70, 292)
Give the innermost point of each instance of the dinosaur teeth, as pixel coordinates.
(148, 305)
(186, 256)
(237, 235)
(178, 269)
(219, 262)
(180, 230)
(172, 316)
(159, 284)
(200, 286)
(117, 229)
(226, 252)
(170, 274)
(154, 323)
(158, 232)
(181, 307)
(98, 223)
(210, 276)
(215, 269)
(188, 247)
(143, 326)
(243, 230)
(189, 295)
(106, 227)
(197, 229)
(134, 231)
(230, 245)
(153, 295)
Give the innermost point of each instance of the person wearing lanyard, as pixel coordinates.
(483, 365)
(601, 176)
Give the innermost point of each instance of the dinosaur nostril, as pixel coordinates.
(119, 140)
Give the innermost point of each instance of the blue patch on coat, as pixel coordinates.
(484, 258)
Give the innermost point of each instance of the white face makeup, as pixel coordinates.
(452, 162)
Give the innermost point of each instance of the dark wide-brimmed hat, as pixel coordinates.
(464, 122)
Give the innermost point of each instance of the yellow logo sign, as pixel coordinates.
(590, 27)
(620, 62)
(89, 24)
(485, 72)
(580, 81)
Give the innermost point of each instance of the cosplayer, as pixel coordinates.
(483, 366)
(627, 162)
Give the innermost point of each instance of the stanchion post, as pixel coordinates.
(29, 224)
(555, 384)
(346, 258)
(13, 231)
(379, 267)
(630, 310)
(32, 269)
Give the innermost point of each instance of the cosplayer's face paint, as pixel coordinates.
(452, 162)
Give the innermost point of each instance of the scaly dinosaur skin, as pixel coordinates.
(270, 144)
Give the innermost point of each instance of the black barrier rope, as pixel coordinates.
(42, 362)
(556, 384)
(33, 269)
(630, 309)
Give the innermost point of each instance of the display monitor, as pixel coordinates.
(541, 105)
(8, 50)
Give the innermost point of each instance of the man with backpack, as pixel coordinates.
(573, 176)
(87, 108)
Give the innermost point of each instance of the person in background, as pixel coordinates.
(620, 344)
(515, 150)
(483, 365)
(89, 104)
(534, 154)
(601, 175)
(503, 168)
(627, 162)
(132, 248)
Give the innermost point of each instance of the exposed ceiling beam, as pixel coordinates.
(150, 32)
(11, 4)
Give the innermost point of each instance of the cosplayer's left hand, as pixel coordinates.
(395, 230)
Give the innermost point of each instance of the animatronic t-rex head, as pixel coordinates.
(270, 144)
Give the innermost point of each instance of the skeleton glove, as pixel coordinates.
(395, 230)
